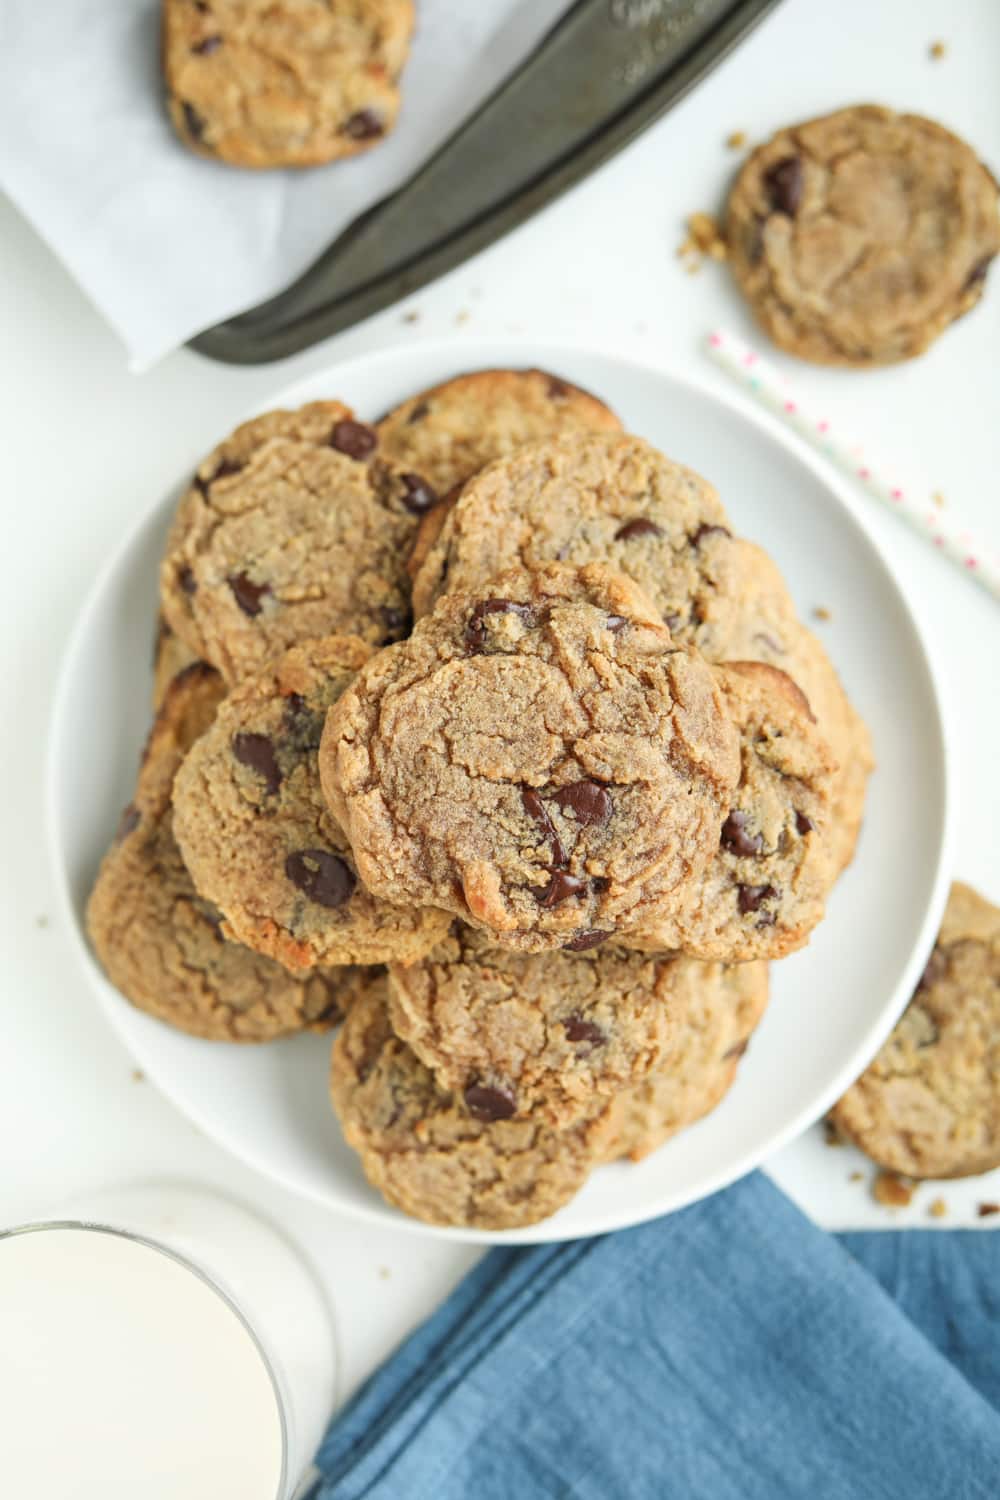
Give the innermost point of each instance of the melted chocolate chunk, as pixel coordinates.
(615, 623)
(600, 884)
(418, 496)
(560, 888)
(418, 413)
(353, 438)
(397, 621)
(587, 801)
(209, 45)
(750, 897)
(803, 825)
(578, 1029)
(784, 183)
(320, 875)
(364, 125)
(735, 837)
(194, 121)
(535, 808)
(256, 751)
(488, 1104)
(589, 938)
(247, 593)
(186, 580)
(705, 530)
(127, 823)
(639, 527)
(475, 630)
(558, 389)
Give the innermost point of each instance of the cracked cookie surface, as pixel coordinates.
(290, 85)
(543, 1034)
(288, 532)
(258, 837)
(538, 758)
(766, 888)
(428, 1155)
(159, 942)
(859, 237)
(929, 1104)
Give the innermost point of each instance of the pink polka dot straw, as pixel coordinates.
(972, 555)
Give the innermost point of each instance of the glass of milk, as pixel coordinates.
(159, 1341)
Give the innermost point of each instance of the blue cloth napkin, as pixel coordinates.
(732, 1350)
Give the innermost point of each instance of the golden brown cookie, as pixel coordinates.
(159, 942)
(929, 1104)
(540, 1034)
(428, 1154)
(258, 838)
(859, 237)
(700, 1068)
(766, 888)
(290, 85)
(288, 532)
(538, 758)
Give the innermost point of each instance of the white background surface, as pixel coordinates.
(84, 445)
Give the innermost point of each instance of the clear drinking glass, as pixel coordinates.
(159, 1341)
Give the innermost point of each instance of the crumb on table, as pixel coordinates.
(384, 1273)
(938, 1208)
(986, 1210)
(822, 613)
(463, 316)
(892, 1191)
(704, 238)
(831, 1134)
(938, 50)
(736, 139)
(411, 317)
(856, 1177)
(938, 499)
(138, 1076)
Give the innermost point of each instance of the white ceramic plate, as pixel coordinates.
(832, 1003)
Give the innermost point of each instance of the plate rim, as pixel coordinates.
(847, 501)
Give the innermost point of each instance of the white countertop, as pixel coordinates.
(85, 445)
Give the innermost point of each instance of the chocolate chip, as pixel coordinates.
(209, 45)
(587, 801)
(558, 389)
(256, 751)
(803, 825)
(320, 875)
(418, 413)
(784, 184)
(986, 1210)
(397, 621)
(418, 496)
(978, 274)
(615, 623)
(353, 438)
(578, 1029)
(750, 897)
(475, 630)
(588, 938)
(600, 884)
(535, 808)
(638, 527)
(766, 919)
(302, 723)
(210, 914)
(770, 643)
(705, 530)
(560, 888)
(735, 837)
(186, 580)
(128, 821)
(484, 1103)
(365, 125)
(247, 593)
(194, 121)
(737, 1050)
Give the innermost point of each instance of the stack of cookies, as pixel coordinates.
(479, 731)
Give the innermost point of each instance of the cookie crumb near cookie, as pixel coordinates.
(704, 238)
(892, 1191)
(736, 140)
(410, 317)
(937, 51)
(138, 1076)
(856, 1177)
(938, 1209)
(820, 612)
(987, 1210)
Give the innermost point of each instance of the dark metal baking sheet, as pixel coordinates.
(605, 71)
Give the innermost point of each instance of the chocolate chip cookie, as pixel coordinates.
(289, 85)
(288, 532)
(723, 1012)
(539, 1034)
(859, 237)
(602, 496)
(538, 758)
(258, 838)
(767, 886)
(159, 942)
(443, 435)
(929, 1105)
(429, 1155)
(170, 657)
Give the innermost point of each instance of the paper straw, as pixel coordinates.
(967, 552)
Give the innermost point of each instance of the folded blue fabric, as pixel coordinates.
(730, 1350)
